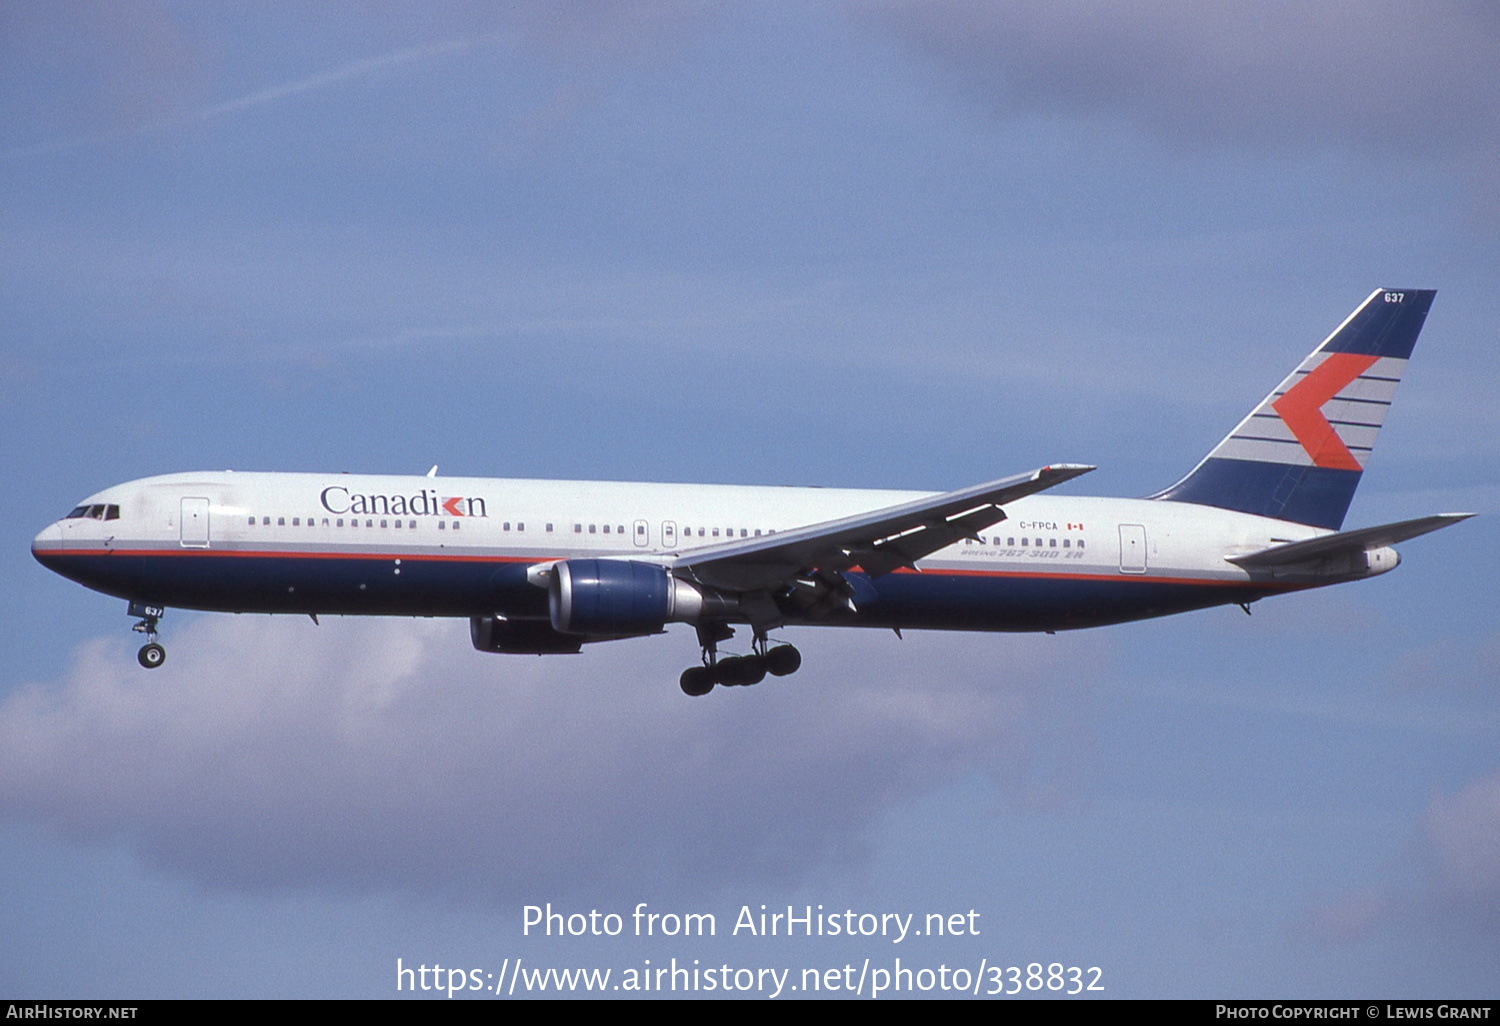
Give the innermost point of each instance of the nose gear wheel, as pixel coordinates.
(152, 653)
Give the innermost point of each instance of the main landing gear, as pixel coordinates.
(151, 654)
(736, 671)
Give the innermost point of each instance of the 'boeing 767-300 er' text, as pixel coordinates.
(548, 566)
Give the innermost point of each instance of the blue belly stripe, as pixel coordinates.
(346, 584)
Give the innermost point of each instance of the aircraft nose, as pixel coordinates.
(47, 544)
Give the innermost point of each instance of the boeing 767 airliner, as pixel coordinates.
(544, 567)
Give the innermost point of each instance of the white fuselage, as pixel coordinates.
(446, 546)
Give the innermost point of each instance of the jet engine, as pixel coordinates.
(621, 597)
(520, 637)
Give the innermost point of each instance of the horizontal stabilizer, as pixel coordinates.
(1343, 542)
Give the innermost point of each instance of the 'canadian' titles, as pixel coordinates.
(425, 503)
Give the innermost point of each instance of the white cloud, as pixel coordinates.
(1464, 829)
(389, 755)
(1384, 74)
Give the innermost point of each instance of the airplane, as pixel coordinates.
(544, 567)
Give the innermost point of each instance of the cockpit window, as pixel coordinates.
(98, 511)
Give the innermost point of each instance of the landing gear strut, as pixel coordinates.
(736, 671)
(151, 654)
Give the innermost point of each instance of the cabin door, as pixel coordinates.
(1132, 549)
(195, 523)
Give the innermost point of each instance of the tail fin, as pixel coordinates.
(1300, 453)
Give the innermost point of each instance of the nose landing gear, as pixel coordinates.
(151, 654)
(736, 671)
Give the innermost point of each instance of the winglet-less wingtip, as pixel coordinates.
(1064, 471)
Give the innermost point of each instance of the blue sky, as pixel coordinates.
(874, 245)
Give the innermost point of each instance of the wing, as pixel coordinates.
(877, 542)
(1345, 542)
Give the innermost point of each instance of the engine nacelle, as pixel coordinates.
(521, 637)
(1382, 560)
(620, 597)
(609, 596)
